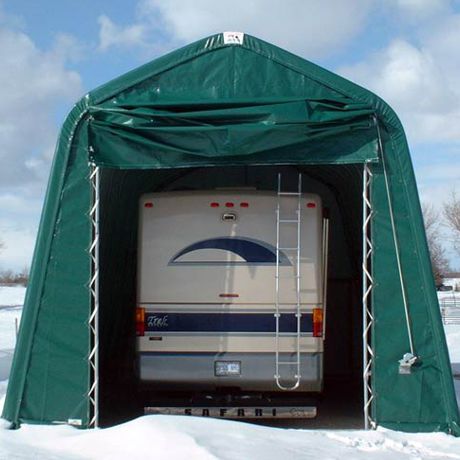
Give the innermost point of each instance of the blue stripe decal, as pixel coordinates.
(224, 322)
(253, 252)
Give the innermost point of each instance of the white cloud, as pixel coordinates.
(19, 246)
(10, 19)
(19, 215)
(412, 81)
(415, 82)
(67, 48)
(442, 38)
(18, 227)
(439, 173)
(310, 27)
(418, 74)
(421, 9)
(17, 204)
(111, 34)
(34, 85)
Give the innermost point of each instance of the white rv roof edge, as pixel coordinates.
(221, 192)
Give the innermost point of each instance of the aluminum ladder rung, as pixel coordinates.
(285, 382)
(288, 312)
(286, 304)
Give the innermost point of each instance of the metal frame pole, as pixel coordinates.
(367, 280)
(93, 358)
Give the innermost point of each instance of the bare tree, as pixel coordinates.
(439, 262)
(451, 213)
(22, 277)
(7, 277)
(11, 277)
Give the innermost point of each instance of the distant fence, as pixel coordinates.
(450, 310)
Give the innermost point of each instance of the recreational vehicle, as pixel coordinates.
(231, 292)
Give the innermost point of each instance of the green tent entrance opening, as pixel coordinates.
(340, 187)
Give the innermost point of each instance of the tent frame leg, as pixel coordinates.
(93, 358)
(367, 281)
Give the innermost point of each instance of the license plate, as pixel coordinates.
(227, 368)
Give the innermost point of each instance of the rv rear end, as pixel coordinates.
(230, 292)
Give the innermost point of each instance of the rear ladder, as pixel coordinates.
(281, 222)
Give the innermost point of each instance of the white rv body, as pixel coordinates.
(206, 279)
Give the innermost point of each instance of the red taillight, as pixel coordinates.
(244, 204)
(311, 205)
(229, 204)
(140, 321)
(317, 322)
(214, 204)
(149, 204)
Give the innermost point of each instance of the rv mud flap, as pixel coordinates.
(254, 412)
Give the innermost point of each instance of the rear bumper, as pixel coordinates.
(187, 371)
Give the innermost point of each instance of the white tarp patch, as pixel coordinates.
(233, 38)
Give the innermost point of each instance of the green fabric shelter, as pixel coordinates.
(215, 105)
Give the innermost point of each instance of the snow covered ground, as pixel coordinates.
(169, 437)
(453, 342)
(12, 296)
(9, 316)
(454, 282)
(11, 301)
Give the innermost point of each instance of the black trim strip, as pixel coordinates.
(224, 322)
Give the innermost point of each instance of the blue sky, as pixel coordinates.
(53, 52)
